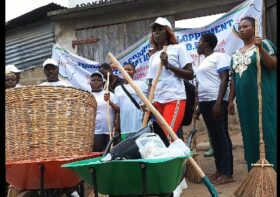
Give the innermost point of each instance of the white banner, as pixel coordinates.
(74, 68)
(225, 28)
(77, 69)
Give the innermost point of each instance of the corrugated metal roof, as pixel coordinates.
(30, 46)
(32, 16)
(94, 5)
(30, 37)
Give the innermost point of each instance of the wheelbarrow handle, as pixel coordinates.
(161, 120)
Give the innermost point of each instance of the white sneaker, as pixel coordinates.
(184, 184)
(75, 194)
(178, 191)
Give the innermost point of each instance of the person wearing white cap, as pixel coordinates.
(51, 70)
(101, 134)
(170, 95)
(12, 68)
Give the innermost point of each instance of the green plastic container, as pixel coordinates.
(125, 177)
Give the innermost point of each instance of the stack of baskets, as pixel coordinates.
(48, 123)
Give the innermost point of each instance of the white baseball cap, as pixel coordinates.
(162, 21)
(12, 68)
(50, 61)
(98, 73)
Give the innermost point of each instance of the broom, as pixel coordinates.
(108, 106)
(261, 179)
(164, 124)
(191, 174)
(152, 90)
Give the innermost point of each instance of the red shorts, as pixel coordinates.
(172, 112)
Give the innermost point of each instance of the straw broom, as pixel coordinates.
(152, 90)
(191, 174)
(261, 180)
(163, 124)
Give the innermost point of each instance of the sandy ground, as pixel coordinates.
(207, 163)
(208, 166)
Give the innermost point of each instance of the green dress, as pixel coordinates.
(244, 73)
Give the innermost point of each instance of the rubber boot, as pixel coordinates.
(210, 152)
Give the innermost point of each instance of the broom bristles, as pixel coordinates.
(260, 182)
(191, 173)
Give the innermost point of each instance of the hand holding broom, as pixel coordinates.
(261, 180)
(152, 91)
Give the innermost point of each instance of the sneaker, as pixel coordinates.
(184, 184)
(75, 194)
(209, 153)
(178, 191)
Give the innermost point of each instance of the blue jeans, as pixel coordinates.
(218, 130)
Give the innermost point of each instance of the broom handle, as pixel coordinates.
(108, 106)
(153, 110)
(261, 143)
(152, 91)
(196, 104)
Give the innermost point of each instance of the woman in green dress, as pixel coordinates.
(244, 88)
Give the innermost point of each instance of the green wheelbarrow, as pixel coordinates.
(131, 177)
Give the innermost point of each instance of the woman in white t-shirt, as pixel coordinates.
(101, 134)
(170, 96)
(213, 75)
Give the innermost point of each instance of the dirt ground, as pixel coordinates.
(207, 163)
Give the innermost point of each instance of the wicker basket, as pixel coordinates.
(48, 122)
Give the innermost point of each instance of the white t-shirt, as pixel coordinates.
(130, 116)
(101, 122)
(207, 75)
(169, 87)
(57, 83)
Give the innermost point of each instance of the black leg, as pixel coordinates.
(144, 179)
(82, 189)
(94, 182)
(42, 173)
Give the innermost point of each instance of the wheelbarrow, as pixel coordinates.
(47, 126)
(46, 176)
(131, 177)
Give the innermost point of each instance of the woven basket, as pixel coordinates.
(48, 122)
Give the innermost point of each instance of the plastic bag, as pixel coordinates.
(151, 146)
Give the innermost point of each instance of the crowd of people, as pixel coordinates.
(221, 78)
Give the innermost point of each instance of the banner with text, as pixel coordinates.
(74, 68)
(225, 28)
(77, 69)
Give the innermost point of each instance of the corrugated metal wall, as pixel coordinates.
(271, 20)
(112, 38)
(29, 46)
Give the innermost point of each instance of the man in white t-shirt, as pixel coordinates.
(51, 70)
